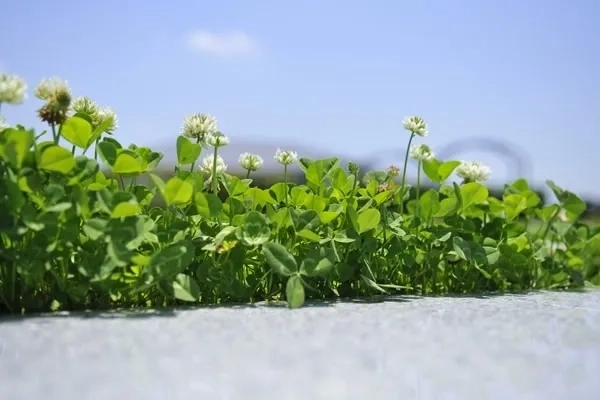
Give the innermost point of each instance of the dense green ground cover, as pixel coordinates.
(73, 237)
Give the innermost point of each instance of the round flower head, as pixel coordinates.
(206, 165)
(473, 171)
(415, 125)
(13, 89)
(393, 171)
(421, 152)
(53, 90)
(104, 114)
(85, 105)
(216, 139)
(250, 162)
(198, 126)
(285, 157)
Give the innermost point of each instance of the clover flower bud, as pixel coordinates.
(250, 162)
(473, 171)
(393, 171)
(285, 157)
(13, 89)
(53, 90)
(85, 105)
(105, 113)
(415, 125)
(206, 165)
(216, 139)
(353, 168)
(421, 152)
(198, 126)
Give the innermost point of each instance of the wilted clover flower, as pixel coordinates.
(415, 125)
(105, 113)
(421, 152)
(85, 105)
(206, 165)
(198, 126)
(13, 89)
(384, 187)
(216, 139)
(250, 162)
(285, 157)
(473, 171)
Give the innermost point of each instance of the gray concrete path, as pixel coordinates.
(544, 346)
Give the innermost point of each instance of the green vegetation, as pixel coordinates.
(73, 237)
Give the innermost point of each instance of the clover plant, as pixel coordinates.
(80, 229)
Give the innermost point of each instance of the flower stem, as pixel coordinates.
(215, 182)
(285, 182)
(412, 135)
(418, 187)
(54, 136)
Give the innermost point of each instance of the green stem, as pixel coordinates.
(285, 182)
(215, 182)
(132, 183)
(418, 187)
(59, 133)
(412, 135)
(549, 223)
(54, 135)
(96, 149)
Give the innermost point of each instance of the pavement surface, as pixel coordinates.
(540, 346)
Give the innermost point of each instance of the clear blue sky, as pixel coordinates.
(337, 76)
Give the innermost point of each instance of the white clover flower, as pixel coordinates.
(285, 157)
(473, 171)
(13, 89)
(85, 105)
(216, 139)
(198, 126)
(250, 162)
(50, 88)
(415, 125)
(3, 124)
(553, 246)
(563, 216)
(421, 152)
(206, 165)
(105, 113)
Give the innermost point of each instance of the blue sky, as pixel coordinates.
(333, 76)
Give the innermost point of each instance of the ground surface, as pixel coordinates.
(542, 346)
